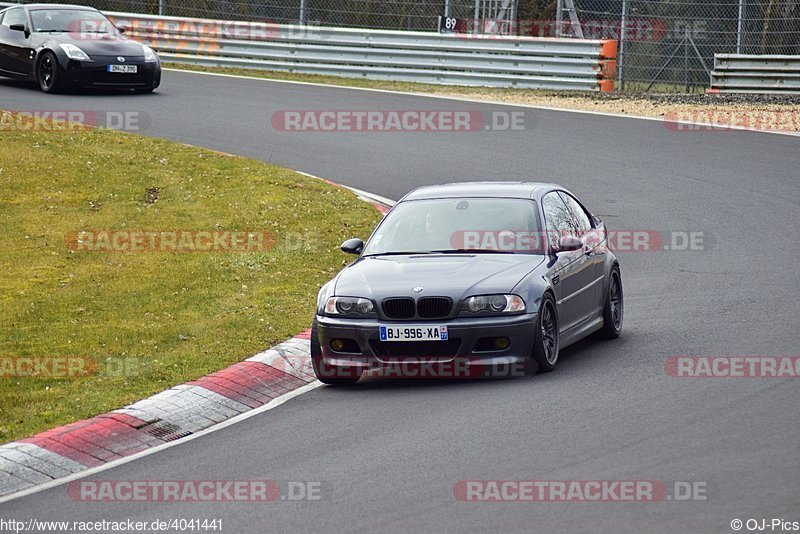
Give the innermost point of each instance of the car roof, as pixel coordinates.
(482, 189)
(54, 6)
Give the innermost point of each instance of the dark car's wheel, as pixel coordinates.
(614, 308)
(47, 74)
(545, 340)
(329, 374)
(144, 90)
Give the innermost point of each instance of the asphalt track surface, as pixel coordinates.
(388, 453)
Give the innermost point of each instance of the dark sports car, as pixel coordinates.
(62, 45)
(487, 274)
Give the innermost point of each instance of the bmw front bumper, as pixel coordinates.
(470, 344)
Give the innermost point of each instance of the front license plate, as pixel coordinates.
(413, 333)
(124, 69)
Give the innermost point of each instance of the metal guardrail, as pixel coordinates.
(772, 74)
(532, 63)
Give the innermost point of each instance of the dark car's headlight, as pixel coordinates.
(74, 52)
(498, 304)
(150, 55)
(349, 306)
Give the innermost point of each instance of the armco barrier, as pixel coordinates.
(491, 61)
(773, 74)
(532, 63)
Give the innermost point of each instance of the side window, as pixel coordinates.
(15, 16)
(558, 219)
(578, 214)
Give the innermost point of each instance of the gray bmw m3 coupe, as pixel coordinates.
(477, 276)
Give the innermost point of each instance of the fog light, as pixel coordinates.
(337, 345)
(502, 343)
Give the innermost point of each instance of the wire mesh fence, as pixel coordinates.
(669, 45)
(665, 45)
(421, 15)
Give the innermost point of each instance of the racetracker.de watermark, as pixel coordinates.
(549, 491)
(733, 366)
(720, 120)
(179, 30)
(614, 240)
(193, 491)
(639, 29)
(72, 120)
(421, 367)
(53, 367)
(410, 120)
(46, 367)
(153, 241)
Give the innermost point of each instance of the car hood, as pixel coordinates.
(98, 45)
(446, 275)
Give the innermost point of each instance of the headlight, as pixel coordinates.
(150, 55)
(348, 306)
(494, 304)
(73, 52)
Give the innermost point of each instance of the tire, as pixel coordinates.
(47, 74)
(545, 340)
(329, 374)
(614, 307)
(144, 90)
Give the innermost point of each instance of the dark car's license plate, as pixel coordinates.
(413, 333)
(123, 69)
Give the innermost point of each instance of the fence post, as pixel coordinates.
(446, 8)
(303, 12)
(623, 37)
(740, 29)
(560, 18)
(162, 7)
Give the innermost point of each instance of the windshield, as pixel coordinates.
(501, 225)
(71, 20)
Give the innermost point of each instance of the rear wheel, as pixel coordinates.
(545, 339)
(48, 75)
(614, 308)
(330, 374)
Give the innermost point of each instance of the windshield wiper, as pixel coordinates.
(401, 253)
(70, 31)
(473, 251)
(406, 253)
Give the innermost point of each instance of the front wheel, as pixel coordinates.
(329, 374)
(614, 307)
(545, 339)
(48, 75)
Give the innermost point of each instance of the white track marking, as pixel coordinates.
(369, 196)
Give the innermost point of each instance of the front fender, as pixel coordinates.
(532, 290)
(49, 46)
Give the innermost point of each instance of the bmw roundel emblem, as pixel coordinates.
(121, 59)
(417, 289)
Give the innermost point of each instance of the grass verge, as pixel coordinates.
(148, 320)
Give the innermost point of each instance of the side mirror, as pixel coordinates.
(122, 29)
(17, 27)
(353, 246)
(569, 243)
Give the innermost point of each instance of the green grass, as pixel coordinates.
(154, 319)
